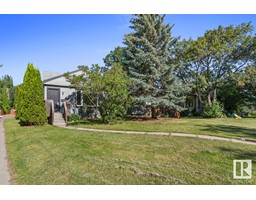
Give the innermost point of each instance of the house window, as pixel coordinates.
(79, 98)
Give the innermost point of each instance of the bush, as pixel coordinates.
(243, 110)
(74, 118)
(252, 114)
(195, 113)
(31, 106)
(214, 111)
(115, 99)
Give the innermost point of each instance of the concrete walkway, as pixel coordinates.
(243, 141)
(4, 173)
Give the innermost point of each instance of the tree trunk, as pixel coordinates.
(215, 94)
(154, 112)
(209, 100)
(198, 94)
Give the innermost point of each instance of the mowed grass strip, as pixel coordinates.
(52, 155)
(223, 127)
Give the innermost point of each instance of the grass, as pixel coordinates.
(224, 127)
(52, 155)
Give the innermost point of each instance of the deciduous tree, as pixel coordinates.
(107, 86)
(115, 56)
(115, 99)
(210, 59)
(239, 89)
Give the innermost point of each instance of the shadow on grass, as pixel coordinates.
(87, 122)
(239, 153)
(234, 131)
(94, 122)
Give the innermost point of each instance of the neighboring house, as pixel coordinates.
(57, 88)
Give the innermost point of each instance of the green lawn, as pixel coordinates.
(225, 127)
(52, 155)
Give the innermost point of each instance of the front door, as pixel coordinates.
(54, 94)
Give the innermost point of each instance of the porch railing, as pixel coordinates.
(67, 110)
(50, 111)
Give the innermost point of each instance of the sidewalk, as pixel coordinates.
(207, 137)
(4, 173)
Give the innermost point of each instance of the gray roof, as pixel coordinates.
(49, 76)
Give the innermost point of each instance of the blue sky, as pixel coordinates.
(62, 42)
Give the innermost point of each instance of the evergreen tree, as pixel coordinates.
(17, 100)
(147, 60)
(7, 81)
(32, 109)
(4, 100)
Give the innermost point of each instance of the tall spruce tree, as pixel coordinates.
(148, 64)
(32, 109)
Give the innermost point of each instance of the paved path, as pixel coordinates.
(4, 173)
(243, 141)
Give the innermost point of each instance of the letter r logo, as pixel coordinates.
(242, 169)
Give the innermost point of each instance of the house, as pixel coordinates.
(57, 88)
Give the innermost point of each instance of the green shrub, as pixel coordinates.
(74, 118)
(243, 110)
(32, 109)
(197, 113)
(214, 111)
(115, 99)
(252, 114)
